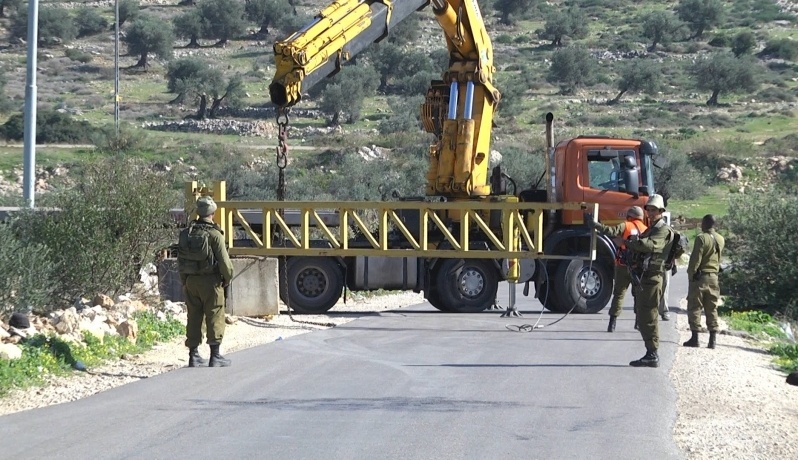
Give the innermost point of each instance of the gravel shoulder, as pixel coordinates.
(732, 403)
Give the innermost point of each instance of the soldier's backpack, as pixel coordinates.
(678, 249)
(194, 254)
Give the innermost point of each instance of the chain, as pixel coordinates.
(282, 150)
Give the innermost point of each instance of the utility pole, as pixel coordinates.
(28, 177)
(116, 66)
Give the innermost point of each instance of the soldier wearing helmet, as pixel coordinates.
(205, 271)
(650, 250)
(620, 233)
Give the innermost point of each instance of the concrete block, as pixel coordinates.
(254, 290)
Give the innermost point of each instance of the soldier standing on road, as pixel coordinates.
(703, 292)
(649, 253)
(205, 271)
(632, 226)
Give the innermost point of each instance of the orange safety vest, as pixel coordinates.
(637, 228)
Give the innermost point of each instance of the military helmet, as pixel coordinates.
(656, 201)
(635, 211)
(205, 206)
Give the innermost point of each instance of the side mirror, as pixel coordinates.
(660, 161)
(631, 182)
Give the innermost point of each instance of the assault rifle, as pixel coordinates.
(626, 258)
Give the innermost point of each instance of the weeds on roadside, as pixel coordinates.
(762, 325)
(43, 356)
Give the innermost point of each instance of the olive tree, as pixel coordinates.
(188, 25)
(701, 15)
(195, 79)
(222, 19)
(149, 34)
(267, 12)
(743, 43)
(571, 68)
(571, 23)
(723, 73)
(660, 27)
(638, 76)
(345, 95)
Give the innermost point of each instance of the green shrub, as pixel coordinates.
(678, 179)
(25, 271)
(786, 356)
(78, 55)
(763, 247)
(757, 323)
(109, 225)
(89, 22)
(51, 127)
(782, 48)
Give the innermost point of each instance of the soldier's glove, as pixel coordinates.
(633, 238)
(588, 217)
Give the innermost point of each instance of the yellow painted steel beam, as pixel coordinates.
(515, 230)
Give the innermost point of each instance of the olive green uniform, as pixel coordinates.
(703, 292)
(204, 293)
(622, 277)
(654, 245)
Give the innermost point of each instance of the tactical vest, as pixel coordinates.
(194, 253)
(654, 262)
(637, 228)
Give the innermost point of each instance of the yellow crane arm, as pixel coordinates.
(338, 33)
(459, 110)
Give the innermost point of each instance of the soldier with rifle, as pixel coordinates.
(623, 275)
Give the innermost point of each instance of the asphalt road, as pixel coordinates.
(409, 384)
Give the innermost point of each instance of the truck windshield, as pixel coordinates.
(648, 173)
(604, 172)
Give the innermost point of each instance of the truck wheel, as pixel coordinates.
(311, 284)
(435, 300)
(546, 294)
(466, 285)
(587, 285)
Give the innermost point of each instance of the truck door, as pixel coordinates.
(612, 178)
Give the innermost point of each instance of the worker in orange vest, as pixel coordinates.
(632, 226)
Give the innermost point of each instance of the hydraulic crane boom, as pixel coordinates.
(458, 110)
(338, 33)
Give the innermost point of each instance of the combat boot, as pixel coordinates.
(217, 360)
(693, 342)
(194, 358)
(712, 337)
(651, 359)
(611, 325)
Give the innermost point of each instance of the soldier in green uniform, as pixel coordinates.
(703, 291)
(650, 250)
(632, 226)
(205, 271)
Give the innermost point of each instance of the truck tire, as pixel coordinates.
(434, 299)
(466, 285)
(546, 294)
(311, 284)
(585, 287)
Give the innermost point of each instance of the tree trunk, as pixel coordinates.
(336, 119)
(178, 100)
(203, 107)
(617, 98)
(142, 61)
(713, 100)
(221, 43)
(194, 43)
(264, 29)
(653, 47)
(217, 102)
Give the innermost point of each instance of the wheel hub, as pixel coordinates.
(589, 283)
(311, 282)
(471, 282)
